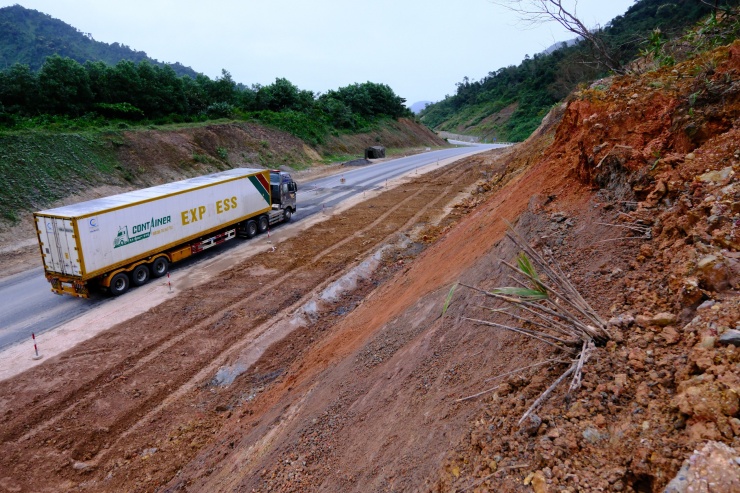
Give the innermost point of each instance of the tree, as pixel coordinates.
(223, 89)
(283, 95)
(19, 89)
(564, 13)
(64, 86)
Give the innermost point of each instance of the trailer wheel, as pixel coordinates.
(140, 275)
(263, 222)
(119, 284)
(160, 266)
(287, 213)
(251, 229)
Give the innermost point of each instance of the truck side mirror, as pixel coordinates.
(294, 187)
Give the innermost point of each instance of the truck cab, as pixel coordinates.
(283, 190)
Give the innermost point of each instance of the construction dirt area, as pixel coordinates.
(342, 360)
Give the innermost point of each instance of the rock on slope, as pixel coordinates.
(661, 152)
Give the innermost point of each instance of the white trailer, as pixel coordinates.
(126, 239)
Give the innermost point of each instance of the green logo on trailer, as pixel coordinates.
(138, 231)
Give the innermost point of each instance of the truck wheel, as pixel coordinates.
(287, 213)
(263, 223)
(160, 266)
(140, 275)
(251, 229)
(119, 284)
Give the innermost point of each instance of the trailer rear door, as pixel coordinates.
(58, 245)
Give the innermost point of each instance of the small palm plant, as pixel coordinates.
(546, 308)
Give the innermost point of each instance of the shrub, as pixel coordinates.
(220, 110)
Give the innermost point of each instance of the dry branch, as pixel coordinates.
(553, 308)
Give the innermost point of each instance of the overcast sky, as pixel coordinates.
(420, 48)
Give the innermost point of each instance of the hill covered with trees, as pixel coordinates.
(28, 37)
(54, 76)
(509, 103)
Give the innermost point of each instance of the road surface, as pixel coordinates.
(31, 307)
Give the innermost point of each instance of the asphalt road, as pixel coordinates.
(30, 307)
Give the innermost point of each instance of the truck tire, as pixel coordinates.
(140, 275)
(287, 213)
(160, 266)
(251, 228)
(119, 284)
(263, 222)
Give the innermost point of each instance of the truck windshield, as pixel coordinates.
(274, 178)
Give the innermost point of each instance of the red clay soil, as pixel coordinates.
(130, 408)
(632, 188)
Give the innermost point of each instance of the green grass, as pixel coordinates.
(38, 168)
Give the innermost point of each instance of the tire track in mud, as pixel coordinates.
(264, 327)
(117, 385)
(166, 343)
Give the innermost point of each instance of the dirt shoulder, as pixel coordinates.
(86, 411)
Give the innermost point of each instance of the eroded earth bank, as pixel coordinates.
(262, 380)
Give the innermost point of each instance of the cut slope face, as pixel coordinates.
(367, 395)
(374, 407)
(662, 155)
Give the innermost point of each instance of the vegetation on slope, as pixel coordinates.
(95, 93)
(67, 103)
(37, 169)
(509, 103)
(54, 76)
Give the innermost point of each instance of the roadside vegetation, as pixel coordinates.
(66, 95)
(68, 104)
(508, 104)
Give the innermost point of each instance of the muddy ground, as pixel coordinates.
(78, 420)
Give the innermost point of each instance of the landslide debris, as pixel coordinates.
(661, 153)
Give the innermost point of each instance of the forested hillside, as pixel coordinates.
(73, 107)
(28, 36)
(509, 103)
(52, 76)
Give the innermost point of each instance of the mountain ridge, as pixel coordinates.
(28, 37)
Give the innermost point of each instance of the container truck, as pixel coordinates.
(123, 240)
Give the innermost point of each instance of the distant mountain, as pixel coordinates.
(29, 36)
(418, 106)
(560, 45)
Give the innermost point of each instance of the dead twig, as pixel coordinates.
(483, 480)
(554, 310)
(546, 393)
(555, 360)
(483, 392)
(519, 330)
(634, 227)
(624, 238)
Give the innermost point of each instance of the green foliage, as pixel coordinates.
(69, 95)
(72, 86)
(282, 95)
(220, 110)
(537, 291)
(448, 299)
(310, 128)
(120, 110)
(539, 82)
(28, 37)
(369, 100)
(39, 168)
(202, 158)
